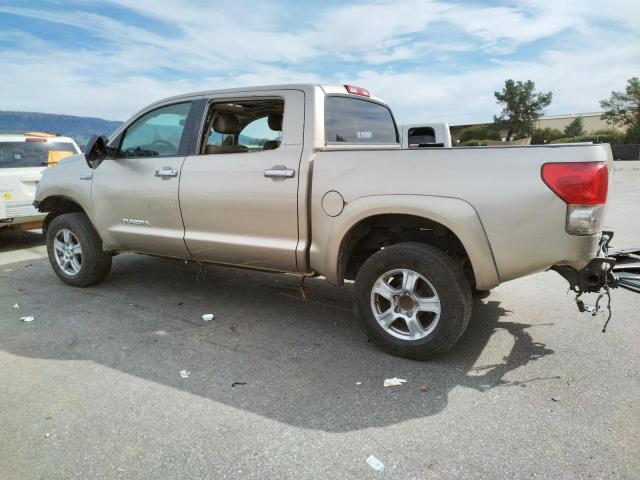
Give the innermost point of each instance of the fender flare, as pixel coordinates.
(455, 214)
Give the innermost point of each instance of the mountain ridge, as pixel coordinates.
(78, 127)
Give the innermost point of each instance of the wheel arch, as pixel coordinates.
(450, 224)
(56, 205)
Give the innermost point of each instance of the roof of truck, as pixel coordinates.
(306, 87)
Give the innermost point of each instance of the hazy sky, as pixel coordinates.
(432, 60)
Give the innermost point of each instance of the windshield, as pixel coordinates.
(33, 154)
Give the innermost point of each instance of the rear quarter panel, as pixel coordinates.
(521, 219)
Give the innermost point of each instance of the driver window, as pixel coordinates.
(157, 133)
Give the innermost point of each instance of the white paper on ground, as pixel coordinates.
(374, 463)
(394, 382)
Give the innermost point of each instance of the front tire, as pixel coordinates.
(413, 300)
(75, 250)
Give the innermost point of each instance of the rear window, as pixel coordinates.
(352, 120)
(32, 154)
(421, 136)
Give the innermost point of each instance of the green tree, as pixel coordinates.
(522, 106)
(545, 135)
(575, 128)
(623, 108)
(633, 134)
(479, 132)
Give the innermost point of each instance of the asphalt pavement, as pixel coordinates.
(284, 387)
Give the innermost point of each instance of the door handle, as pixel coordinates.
(279, 172)
(166, 172)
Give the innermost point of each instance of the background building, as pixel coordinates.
(592, 122)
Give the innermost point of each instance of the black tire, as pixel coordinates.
(96, 263)
(446, 277)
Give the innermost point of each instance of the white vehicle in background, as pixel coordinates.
(426, 135)
(23, 157)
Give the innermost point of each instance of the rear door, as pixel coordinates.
(239, 205)
(135, 196)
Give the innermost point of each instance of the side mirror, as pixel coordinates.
(96, 150)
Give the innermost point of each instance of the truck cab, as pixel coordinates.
(426, 135)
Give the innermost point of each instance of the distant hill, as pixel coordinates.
(79, 128)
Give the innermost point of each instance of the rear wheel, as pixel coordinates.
(75, 250)
(413, 300)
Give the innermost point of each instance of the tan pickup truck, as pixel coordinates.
(313, 179)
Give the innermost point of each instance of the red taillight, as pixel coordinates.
(35, 139)
(579, 183)
(353, 90)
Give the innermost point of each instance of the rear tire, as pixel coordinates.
(413, 300)
(75, 250)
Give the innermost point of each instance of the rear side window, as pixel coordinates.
(351, 120)
(33, 154)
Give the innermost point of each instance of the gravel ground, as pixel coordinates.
(282, 387)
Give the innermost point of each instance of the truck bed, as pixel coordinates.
(523, 220)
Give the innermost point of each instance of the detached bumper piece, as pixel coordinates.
(627, 268)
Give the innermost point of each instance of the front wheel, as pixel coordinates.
(75, 250)
(413, 300)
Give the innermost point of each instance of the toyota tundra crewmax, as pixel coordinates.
(313, 179)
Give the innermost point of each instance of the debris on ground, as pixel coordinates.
(16, 306)
(358, 383)
(424, 388)
(28, 318)
(47, 435)
(374, 463)
(555, 398)
(238, 383)
(185, 373)
(394, 382)
(207, 317)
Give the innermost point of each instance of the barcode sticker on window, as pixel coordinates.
(364, 134)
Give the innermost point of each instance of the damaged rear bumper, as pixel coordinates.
(598, 273)
(611, 268)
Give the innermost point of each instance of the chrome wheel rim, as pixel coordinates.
(405, 304)
(68, 252)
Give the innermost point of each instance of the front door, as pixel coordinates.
(239, 193)
(135, 195)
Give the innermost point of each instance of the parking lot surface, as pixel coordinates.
(285, 387)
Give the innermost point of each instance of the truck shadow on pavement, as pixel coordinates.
(12, 239)
(268, 351)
